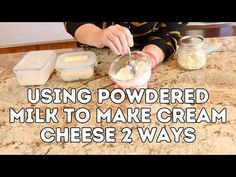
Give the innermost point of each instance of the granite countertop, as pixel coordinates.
(218, 76)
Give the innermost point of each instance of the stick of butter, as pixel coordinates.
(75, 58)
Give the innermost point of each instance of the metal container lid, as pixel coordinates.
(192, 41)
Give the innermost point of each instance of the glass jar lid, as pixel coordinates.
(192, 41)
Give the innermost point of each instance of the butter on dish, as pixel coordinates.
(76, 65)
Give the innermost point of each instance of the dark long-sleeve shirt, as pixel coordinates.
(163, 34)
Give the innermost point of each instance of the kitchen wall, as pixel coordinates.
(22, 34)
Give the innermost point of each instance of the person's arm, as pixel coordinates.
(86, 33)
(71, 27)
(116, 37)
(162, 45)
(155, 52)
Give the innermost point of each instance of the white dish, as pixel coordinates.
(76, 65)
(120, 74)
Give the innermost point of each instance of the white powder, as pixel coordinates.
(76, 74)
(191, 60)
(126, 79)
(125, 73)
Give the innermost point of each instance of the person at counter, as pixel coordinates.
(157, 39)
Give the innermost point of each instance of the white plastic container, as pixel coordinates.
(76, 65)
(35, 67)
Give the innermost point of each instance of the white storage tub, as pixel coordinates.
(35, 67)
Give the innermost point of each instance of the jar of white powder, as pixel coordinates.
(191, 54)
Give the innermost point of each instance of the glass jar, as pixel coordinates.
(191, 54)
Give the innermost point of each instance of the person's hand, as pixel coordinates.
(116, 37)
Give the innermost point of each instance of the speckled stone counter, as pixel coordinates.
(218, 76)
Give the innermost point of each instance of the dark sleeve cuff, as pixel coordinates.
(71, 27)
